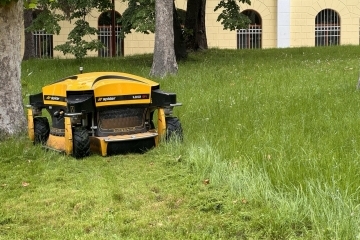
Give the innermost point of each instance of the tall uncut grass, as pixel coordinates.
(271, 151)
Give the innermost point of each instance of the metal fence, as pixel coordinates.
(105, 37)
(43, 43)
(327, 28)
(249, 38)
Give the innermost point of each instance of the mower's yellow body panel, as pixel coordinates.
(110, 88)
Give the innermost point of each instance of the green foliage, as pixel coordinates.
(79, 9)
(51, 12)
(74, 9)
(231, 17)
(45, 16)
(29, 5)
(181, 15)
(32, 4)
(3, 3)
(139, 16)
(47, 21)
(76, 45)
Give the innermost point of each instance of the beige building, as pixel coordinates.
(275, 23)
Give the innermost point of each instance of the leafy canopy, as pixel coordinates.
(140, 15)
(3, 3)
(53, 11)
(231, 17)
(76, 45)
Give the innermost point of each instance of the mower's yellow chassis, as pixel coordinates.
(97, 144)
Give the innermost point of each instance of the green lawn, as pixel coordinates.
(271, 151)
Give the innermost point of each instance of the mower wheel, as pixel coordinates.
(81, 142)
(41, 130)
(173, 129)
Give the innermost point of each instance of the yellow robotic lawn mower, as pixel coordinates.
(102, 112)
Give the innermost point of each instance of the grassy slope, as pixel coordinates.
(274, 131)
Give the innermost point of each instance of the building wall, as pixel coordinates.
(219, 38)
(289, 26)
(267, 10)
(303, 15)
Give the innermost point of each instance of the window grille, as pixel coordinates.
(327, 28)
(43, 44)
(105, 37)
(251, 36)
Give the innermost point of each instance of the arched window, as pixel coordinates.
(105, 35)
(327, 28)
(43, 42)
(250, 37)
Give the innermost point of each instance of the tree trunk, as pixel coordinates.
(195, 25)
(164, 60)
(179, 41)
(12, 119)
(29, 51)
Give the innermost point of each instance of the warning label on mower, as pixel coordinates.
(122, 98)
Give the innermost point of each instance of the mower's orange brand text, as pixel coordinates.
(105, 99)
(54, 98)
(122, 97)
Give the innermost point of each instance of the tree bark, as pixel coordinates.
(12, 119)
(195, 23)
(29, 51)
(179, 41)
(164, 60)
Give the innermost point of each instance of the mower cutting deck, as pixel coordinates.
(102, 112)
